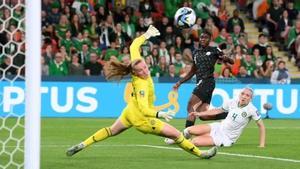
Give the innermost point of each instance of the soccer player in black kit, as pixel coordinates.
(204, 60)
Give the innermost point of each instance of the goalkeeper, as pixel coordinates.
(140, 112)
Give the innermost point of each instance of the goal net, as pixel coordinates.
(14, 85)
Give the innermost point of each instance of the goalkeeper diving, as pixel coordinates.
(140, 112)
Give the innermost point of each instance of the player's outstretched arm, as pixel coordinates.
(211, 112)
(262, 133)
(136, 44)
(186, 78)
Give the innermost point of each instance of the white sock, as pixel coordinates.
(186, 133)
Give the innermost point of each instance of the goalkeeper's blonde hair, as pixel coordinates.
(116, 71)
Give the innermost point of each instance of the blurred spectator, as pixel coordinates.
(128, 27)
(67, 42)
(44, 67)
(237, 56)
(141, 27)
(95, 48)
(105, 31)
(160, 69)
(172, 53)
(84, 15)
(57, 66)
(112, 51)
(146, 8)
(124, 53)
(54, 15)
(62, 27)
(210, 25)
(48, 54)
(223, 15)
(163, 51)
(281, 75)
(93, 67)
(265, 71)
(292, 36)
(84, 54)
(78, 41)
(155, 56)
(257, 58)
(162, 25)
(172, 71)
(169, 37)
(269, 55)
(76, 26)
(235, 20)
(7, 67)
(236, 34)
(75, 68)
(92, 28)
(262, 44)
(292, 12)
(65, 55)
(243, 73)
(222, 36)
(178, 44)
(229, 46)
(284, 26)
(250, 66)
(178, 63)
(226, 73)
(273, 17)
(101, 13)
(122, 38)
(133, 3)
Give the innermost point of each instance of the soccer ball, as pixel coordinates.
(185, 17)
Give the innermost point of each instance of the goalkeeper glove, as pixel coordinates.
(151, 32)
(166, 115)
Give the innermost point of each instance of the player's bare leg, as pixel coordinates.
(194, 104)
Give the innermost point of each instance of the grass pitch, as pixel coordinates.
(134, 150)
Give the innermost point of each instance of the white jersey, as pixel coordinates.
(237, 118)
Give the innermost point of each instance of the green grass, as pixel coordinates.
(126, 151)
(121, 153)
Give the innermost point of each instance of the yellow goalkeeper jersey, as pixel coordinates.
(143, 89)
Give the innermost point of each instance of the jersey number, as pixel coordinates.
(234, 116)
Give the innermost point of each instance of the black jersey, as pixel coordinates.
(205, 60)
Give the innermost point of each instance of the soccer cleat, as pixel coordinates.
(209, 153)
(169, 141)
(74, 149)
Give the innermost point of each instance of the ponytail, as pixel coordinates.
(116, 71)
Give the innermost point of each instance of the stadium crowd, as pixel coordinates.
(79, 36)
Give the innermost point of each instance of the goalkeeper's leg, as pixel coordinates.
(100, 135)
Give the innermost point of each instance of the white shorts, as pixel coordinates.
(218, 136)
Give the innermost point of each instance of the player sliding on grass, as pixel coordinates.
(140, 112)
(226, 132)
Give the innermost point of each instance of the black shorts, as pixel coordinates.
(205, 89)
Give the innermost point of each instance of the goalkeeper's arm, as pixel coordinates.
(135, 46)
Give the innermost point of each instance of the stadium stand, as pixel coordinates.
(75, 30)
